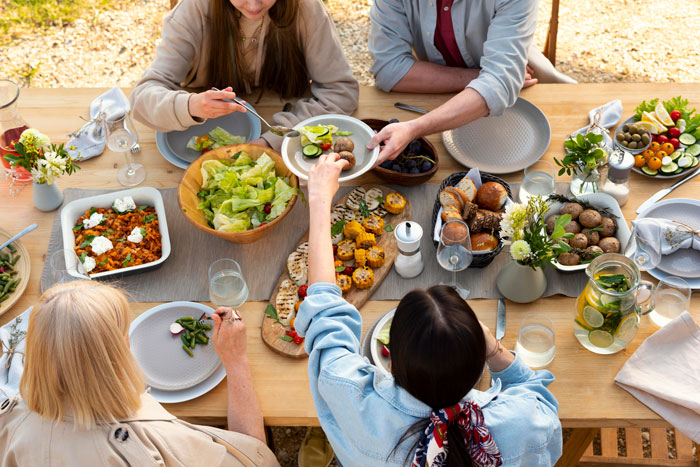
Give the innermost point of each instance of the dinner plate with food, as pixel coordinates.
(323, 134)
(117, 233)
(14, 271)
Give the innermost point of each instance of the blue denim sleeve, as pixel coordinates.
(519, 378)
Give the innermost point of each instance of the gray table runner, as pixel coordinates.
(183, 276)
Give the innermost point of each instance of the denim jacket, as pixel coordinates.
(365, 413)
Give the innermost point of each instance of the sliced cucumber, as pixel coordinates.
(668, 168)
(676, 155)
(312, 151)
(687, 139)
(678, 171)
(685, 161)
(693, 150)
(649, 171)
(695, 161)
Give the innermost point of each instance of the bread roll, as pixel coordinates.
(491, 196)
(484, 241)
(467, 186)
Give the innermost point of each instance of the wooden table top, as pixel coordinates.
(584, 381)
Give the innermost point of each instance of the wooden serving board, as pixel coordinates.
(22, 267)
(273, 331)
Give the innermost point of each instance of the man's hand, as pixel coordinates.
(395, 137)
(229, 337)
(210, 104)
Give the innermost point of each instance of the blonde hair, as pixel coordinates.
(77, 356)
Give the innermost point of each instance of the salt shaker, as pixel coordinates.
(409, 262)
(617, 184)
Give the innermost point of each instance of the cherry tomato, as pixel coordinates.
(675, 115)
(302, 291)
(206, 150)
(335, 250)
(291, 323)
(655, 138)
(662, 139)
(661, 154)
(267, 208)
(655, 146)
(298, 340)
(326, 146)
(654, 163)
(674, 132)
(348, 271)
(640, 160)
(647, 154)
(262, 223)
(674, 141)
(296, 308)
(668, 148)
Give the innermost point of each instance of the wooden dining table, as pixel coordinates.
(584, 385)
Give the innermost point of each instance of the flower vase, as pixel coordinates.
(47, 197)
(585, 182)
(521, 284)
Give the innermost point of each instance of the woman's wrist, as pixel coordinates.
(499, 359)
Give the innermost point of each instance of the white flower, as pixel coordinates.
(33, 138)
(520, 250)
(513, 221)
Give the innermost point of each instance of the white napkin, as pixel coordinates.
(674, 236)
(610, 114)
(9, 377)
(90, 140)
(664, 374)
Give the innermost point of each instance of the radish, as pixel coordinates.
(385, 351)
(176, 328)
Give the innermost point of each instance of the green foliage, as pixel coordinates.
(544, 248)
(584, 153)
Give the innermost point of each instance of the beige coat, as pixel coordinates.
(159, 99)
(152, 437)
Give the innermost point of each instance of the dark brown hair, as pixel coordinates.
(438, 351)
(284, 66)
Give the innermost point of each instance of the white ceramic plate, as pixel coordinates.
(170, 372)
(685, 262)
(375, 346)
(361, 134)
(599, 200)
(503, 144)
(143, 195)
(173, 144)
(23, 268)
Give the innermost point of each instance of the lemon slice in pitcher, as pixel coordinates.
(601, 338)
(593, 317)
(627, 328)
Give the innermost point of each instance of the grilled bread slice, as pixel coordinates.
(297, 264)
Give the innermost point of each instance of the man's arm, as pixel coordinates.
(426, 77)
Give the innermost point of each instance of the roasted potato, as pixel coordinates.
(590, 218)
(610, 245)
(574, 209)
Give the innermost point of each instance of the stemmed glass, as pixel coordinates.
(455, 251)
(120, 138)
(66, 267)
(644, 246)
(227, 287)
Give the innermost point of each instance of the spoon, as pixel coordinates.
(276, 129)
(22, 233)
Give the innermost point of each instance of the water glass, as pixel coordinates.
(671, 298)
(644, 245)
(539, 179)
(535, 344)
(121, 136)
(454, 253)
(66, 267)
(227, 287)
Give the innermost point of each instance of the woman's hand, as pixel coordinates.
(210, 104)
(530, 79)
(497, 357)
(395, 137)
(229, 336)
(491, 342)
(323, 178)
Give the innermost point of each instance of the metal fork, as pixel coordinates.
(276, 129)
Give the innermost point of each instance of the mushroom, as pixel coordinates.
(610, 245)
(573, 209)
(343, 144)
(590, 218)
(348, 156)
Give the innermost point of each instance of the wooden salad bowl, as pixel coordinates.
(191, 184)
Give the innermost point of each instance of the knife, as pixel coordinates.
(401, 106)
(501, 320)
(661, 193)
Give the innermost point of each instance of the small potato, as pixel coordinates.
(590, 218)
(592, 235)
(610, 245)
(609, 227)
(579, 241)
(573, 227)
(595, 249)
(550, 223)
(348, 156)
(569, 259)
(573, 209)
(343, 144)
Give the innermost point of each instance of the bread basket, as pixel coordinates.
(480, 260)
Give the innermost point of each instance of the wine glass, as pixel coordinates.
(539, 179)
(66, 267)
(120, 138)
(455, 251)
(227, 287)
(644, 245)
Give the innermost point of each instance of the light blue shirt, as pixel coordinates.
(364, 413)
(493, 35)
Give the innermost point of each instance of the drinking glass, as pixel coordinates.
(455, 251)
(671, 298)
(644, 245)
(535, 344)
(120, 138)
(227, 287)
(538, 180)
(66, 271)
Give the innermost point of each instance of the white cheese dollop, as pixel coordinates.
(135, 236)
(124, 204)
(93, 221)
(101, 245)
(89, 263)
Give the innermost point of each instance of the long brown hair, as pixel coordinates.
(284, 66)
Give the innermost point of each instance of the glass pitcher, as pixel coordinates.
(608, 310)
(11, 126)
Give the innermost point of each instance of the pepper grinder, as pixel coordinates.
(617, 184)
(409, 262)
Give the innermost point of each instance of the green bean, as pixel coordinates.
(7, 287)
(187, 318)
(187, 349)
(184, 339)
(188, 326)
(14, 260)
(192, 342)
(12, 248)
(200, 339)
(3, 298)
(187, 335)
(206, 326)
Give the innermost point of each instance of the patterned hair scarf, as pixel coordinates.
(432, 448)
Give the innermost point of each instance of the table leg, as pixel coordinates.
(575, 446)
(270, 439)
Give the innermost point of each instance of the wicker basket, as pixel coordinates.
(480, 260)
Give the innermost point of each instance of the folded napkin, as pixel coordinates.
(610, 114)
(12, 358)
(664, 374)
(674, 235)
(89, 141)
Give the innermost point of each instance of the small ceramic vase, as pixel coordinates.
(47, 197)
(521, 284)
